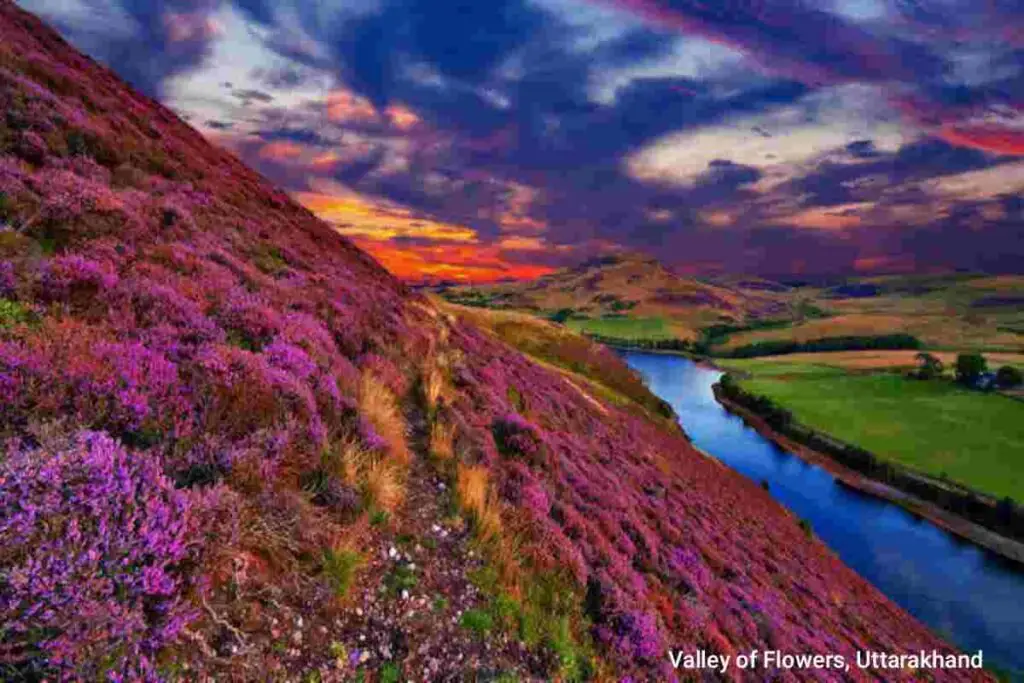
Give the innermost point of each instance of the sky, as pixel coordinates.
(477, 140)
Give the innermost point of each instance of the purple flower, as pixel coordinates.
(7, 279)
(96, 546)
(637, 635)
(517, 436)
(291, 359)
(65, 276)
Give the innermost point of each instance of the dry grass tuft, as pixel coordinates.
(477, 499)
(442, 441)
(433, 388)
(382, 486)
(382, 410)
(350, 462)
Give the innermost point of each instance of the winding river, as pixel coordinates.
(970, 596)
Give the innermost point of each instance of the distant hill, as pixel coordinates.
(636, 287)
(633, 296)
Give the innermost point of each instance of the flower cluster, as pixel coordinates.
(518, 437)
(95, 551)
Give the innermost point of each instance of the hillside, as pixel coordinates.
(235, 448)
(634, 287)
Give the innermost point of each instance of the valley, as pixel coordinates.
(234, 447)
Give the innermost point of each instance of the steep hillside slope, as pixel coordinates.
(636, 286)
(236, 448)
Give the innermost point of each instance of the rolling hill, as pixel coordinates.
(631, 296)
(610, 295)
(236, 448)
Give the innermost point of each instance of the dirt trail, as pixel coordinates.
(402, 619)
(413, 592)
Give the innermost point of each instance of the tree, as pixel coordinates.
(561, 315)
(929, 366)
(1008, 377)
(969, 367)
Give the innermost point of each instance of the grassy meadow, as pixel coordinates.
(936, 427)
(653, 329)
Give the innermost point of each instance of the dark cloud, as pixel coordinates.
(306, 136)
(967, 240)
(799, 38)
(833, 183)
(250, 95)
(162, 38)
(283, 78)
(862, 149)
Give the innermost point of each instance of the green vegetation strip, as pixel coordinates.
(625, 328)
(936, 427)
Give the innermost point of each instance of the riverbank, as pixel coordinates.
(956, 524)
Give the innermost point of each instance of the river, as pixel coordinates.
(968, 595)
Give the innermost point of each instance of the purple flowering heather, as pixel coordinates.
(638, 635)
(64, 276)
(94, 546)
(8, 280)
(515, 435)
(371, 439)
(291, 359)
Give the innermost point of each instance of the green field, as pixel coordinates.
(654, 329)
(935, 427)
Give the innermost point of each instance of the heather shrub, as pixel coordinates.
(68, 370)
(75, 279)
(244, 392)
(636, 635)
(249, 322)
(74, 208)
(518, 437)
(96, 549)
(153, 304)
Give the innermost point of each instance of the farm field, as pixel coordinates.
(935, 328)
(654, 329)
(856, 361)
(935, 427)
(954, 312)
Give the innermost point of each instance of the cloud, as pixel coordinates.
(761, 136)
(801, 39)
(945, 62)
(146, 41)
